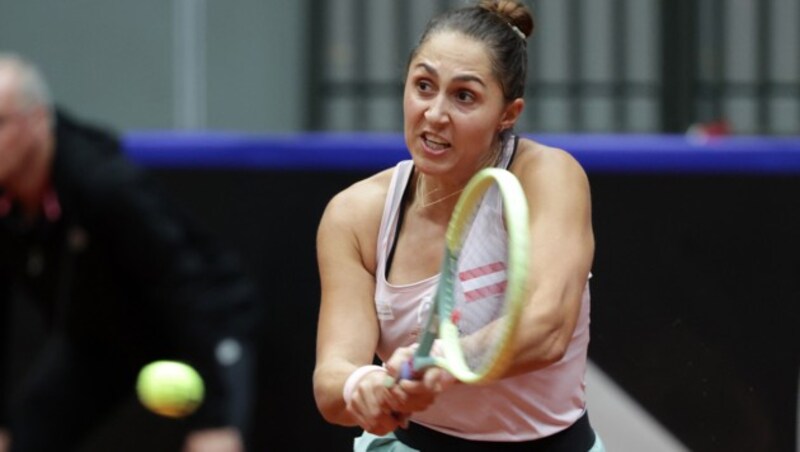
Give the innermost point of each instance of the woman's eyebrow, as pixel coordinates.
(463, 78)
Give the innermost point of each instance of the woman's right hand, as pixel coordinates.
(417, 394)
(373, 404)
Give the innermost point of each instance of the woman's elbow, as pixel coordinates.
(329, 413)
(329, 406)
(555, 349)
(332, 411)
(549, 348)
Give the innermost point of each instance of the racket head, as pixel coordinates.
(483, 284)
(441, 308)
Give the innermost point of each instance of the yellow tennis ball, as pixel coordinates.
(170, 388)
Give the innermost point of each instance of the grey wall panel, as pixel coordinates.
(108, 60)
(256, 64)
(115, 60)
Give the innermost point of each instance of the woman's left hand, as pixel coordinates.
(419, 393)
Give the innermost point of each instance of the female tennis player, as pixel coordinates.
(381, 244)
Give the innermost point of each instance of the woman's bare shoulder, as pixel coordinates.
(356, 211)
(350, 224)
(545, 162)
(361, 201)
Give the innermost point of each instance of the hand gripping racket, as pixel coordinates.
(483, 282)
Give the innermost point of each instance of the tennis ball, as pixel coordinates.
(170, 388)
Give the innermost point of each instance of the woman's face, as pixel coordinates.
(453, 106)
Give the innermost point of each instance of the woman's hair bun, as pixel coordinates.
(513, 12)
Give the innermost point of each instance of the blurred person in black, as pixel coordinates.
(122, 276)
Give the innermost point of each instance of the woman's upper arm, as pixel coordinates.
(347, 330)
(562, 241)
(561, 251)
(348, 327)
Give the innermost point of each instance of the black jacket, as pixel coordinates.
(124, 273)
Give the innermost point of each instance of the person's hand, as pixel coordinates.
(224, 439)
(373, 404)
(5, 440)
(418, 394)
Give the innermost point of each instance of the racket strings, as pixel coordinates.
(480, 283)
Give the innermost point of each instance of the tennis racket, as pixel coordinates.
(483, 283)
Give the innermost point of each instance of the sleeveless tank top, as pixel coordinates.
(520, 408)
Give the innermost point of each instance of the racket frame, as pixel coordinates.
(439, 324)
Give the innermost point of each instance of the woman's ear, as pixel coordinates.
(511, 114)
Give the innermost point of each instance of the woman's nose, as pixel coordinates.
(437, 110)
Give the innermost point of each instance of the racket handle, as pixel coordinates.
(407, 370)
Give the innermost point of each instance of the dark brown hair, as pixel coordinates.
(503, 26)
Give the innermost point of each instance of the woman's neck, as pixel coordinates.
(428, 196)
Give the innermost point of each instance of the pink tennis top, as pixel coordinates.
(520, 408)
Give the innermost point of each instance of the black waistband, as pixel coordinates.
(578, 437)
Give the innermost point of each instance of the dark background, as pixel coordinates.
(694, 309)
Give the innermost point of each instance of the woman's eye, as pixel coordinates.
(465, 96)
(424, 86)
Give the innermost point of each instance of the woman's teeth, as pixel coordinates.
(436, 145)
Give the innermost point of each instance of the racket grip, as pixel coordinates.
(407, 370)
